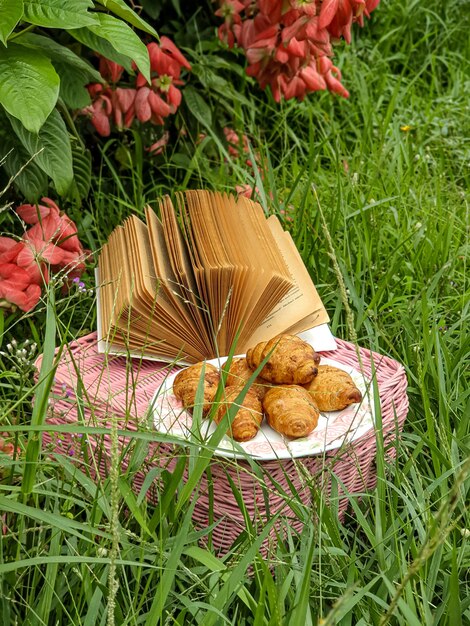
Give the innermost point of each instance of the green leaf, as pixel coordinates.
(57, 52)
(45, 378)
(11, 11)
(32, 181)
(176, 6)
(198, 106)
(129, 498)
(206, 558)
(81, 173)
(124, 40)
(151, 8)
(120, 8)
(55, 152)
(59, 13)
(100, 45)
(74, 72)
(29, 85)
(72, 86)
(78, 529)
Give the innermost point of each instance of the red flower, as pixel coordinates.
(246, 190)
(17, 288)
(149, 102)
(161, 97)
(123, 101)
(50, 225)
(8, 448)
(9, 249)
(235, 148)
(159, 146)
(35, 257)
(100, 109)
(172, 51)
(110, 70)
(288, 43)
(51, 244)
(149, 106)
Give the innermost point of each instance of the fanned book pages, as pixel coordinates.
(200, 274)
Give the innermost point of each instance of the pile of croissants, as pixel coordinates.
(291, 390)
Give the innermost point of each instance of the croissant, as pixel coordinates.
(186, 383)
(247, 420)
(239, 373)
(290, 411)
(333, 389)
(292, 360)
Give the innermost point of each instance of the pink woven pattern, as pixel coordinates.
(93, 389)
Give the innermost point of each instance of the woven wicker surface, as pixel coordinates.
(94, 390)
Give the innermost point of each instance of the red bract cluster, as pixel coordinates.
(50, 245)
(238, 147)
(8, 448)
(288, 43)
(148, 102)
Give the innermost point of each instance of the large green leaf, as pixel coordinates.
(29, 85)
(11, 11)
(98, 44)
(81, 173)
(31, 181)
(124, 40)
(59, 13)
(57, 52)
(120, 8)
(74, 72)
(72, 86)
(198, 106)
(52, 145)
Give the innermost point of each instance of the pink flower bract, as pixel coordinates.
(288, 43)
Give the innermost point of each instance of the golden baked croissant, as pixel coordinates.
(290, 411)
(292, 360)
(333, 389)
(247, 420)
(239, 373)
(186, 383)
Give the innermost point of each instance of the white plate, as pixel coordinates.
(334, 429)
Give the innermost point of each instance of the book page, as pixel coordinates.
(260, 248)
(157, 316)
(162, 266)
(301, 308)
(183, 269)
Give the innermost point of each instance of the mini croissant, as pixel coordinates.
(290, 411)
(186, 383)
(239, 373)
(247, 420)
(333, 389)
(291, 361)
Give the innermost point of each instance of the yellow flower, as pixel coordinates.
(406, 128)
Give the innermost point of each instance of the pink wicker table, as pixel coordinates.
(95, 390)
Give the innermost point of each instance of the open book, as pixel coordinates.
(208, 270)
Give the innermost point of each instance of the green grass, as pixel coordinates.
(396, 206)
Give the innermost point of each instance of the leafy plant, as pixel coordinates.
(42, 76)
